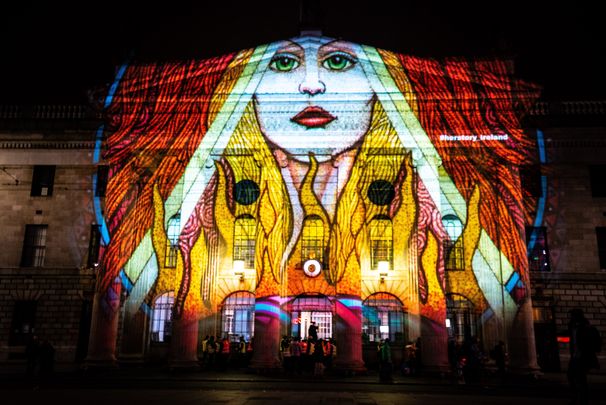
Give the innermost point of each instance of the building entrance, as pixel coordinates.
(307, 309)
(323, 321)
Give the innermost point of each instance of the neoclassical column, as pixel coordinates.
(434, 346)
(266, 342)
(348, 333)
(132, 348)
(104, 328)
(522, 349)
(184, 343)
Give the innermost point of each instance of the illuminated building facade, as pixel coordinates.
(377, 194)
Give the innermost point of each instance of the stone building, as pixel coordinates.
(203, 204)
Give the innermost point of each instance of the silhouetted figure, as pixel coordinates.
(312, 331)
(32, 353)
(472, 369)
(386, 365)
(499, 354)
(47, 359)
(585, 342)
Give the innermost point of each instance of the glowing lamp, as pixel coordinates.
(383, 266)
(239, 269)
(447, 323)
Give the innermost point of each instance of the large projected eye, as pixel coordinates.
(284, 63)
(339, 61)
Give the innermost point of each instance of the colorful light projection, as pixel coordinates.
(317, 137)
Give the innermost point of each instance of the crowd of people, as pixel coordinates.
(219, 354)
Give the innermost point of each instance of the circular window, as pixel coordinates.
(381, 192)
(246, 192)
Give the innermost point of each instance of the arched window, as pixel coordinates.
(244, 240)
(161, 325)
(172, 240)
(383, 317)
(453, 250)
(461, 318)
(312, 239)
(311, 308)
(381, 242)
(238, 316)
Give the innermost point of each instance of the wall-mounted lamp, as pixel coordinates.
(383, 267)
(239, 269)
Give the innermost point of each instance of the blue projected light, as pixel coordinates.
(126, 283)
(351, 302)
(97, 155)
(512, 282)
(538, 221)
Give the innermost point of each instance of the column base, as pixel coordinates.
(436, 371)
(183, 365)
(91, 364)
(131, 360)
(530, 372)
(265, 366)
(350, 368)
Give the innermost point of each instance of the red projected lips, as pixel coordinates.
(313, 117)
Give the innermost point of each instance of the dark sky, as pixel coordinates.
(50, 52)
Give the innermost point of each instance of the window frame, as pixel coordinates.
(161, 319)
(245, 240)
(312, 239)
(172, 241)
(43, 177)
(545, 264)
(33, 253)
(380, 241)
(233, 326)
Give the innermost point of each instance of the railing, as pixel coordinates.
(569, 108)
(48, 112)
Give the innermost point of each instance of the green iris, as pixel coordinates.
(338, 61)
(283, 63)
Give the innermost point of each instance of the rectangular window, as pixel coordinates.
(102, 176)
(34, 246)
(94, 244)
(23, 322)
(530, 177)
(453, 256)
(597, 177)
(42, 181)
(600, 232)
(538, 252)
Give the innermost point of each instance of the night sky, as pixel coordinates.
(54, 53)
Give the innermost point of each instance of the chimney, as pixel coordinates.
(310, 18)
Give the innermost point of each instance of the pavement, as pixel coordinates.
(67, 376)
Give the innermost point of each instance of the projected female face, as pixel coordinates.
(314, 97)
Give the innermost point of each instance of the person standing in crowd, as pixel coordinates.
(318, 358)
(295, 355)
(204, 345)
(285, 354)
(585, 343)
(242, 352)
(386, 366)
(312, 331)
(225, 348)
(409, 366)
(211, 350)
(499, 355)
